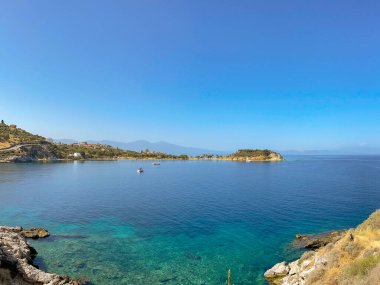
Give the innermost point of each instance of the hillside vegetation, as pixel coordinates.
(10, 136)
(99, 151)
(17, 144)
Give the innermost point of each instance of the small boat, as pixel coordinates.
(140, 170)
(156, 163)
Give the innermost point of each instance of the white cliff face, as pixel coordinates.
(296, 272)
(279, 270)
(274, 156)
(16, 262)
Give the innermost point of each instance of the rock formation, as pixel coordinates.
(16, 260)
(349, 257)
(315, 241)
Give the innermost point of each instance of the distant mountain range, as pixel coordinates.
(155, 146)
(166, 147)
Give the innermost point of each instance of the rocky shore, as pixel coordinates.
(337, 258)
(16, 259)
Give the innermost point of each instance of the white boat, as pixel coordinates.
(140, 170)
(156, 163)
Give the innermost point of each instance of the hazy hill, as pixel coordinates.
(161, 146)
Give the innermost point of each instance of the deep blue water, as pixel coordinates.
(183, 222)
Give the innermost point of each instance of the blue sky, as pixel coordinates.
(213, 74)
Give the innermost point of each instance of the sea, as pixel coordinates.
(183, 222)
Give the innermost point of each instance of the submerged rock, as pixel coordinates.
(193, 256)
(168, 279)
(16, 262)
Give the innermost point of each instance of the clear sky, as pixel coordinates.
(214, 74)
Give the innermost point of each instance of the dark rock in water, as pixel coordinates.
(33, 252)
(83, 280)
(164, 280)
(54, 237)
(315, 241)
(35, 233)
(80, 265)
(16, 262)
(70, 236)
(192, 256)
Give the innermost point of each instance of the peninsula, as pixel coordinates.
(18, 145)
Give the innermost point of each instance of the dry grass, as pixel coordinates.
(353, 260)
(305, 255)
(4, 145)
(373, 276)
(315, 276)
(362, 266)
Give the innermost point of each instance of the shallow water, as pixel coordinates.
(183, 222)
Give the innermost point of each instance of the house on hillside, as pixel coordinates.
(75, 155)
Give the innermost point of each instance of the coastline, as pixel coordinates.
(342, 257)
(192, 158)
(16, 259)
(140, 159)
(19, 145)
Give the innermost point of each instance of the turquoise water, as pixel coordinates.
(183, 222)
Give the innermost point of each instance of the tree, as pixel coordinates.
(183, 156)
(2, 121)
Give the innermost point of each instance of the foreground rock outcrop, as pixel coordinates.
(34, 233)
(349, 257)
(16, 260)
(315, 241)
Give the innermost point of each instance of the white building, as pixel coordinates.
(77, 154)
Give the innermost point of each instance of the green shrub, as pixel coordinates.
(364, 265)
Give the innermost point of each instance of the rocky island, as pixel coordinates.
(337, 258)
(252, 155)
(16, 260)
